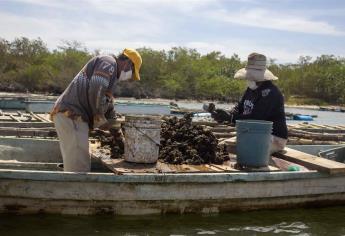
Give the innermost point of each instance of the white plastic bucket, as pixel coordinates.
(142, 139)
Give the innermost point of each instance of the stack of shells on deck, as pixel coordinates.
(181, 143)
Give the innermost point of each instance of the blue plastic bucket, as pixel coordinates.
(253, 142)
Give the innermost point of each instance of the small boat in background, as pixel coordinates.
(12, 103)
(27, 104)
(303, 117)
(297, 116)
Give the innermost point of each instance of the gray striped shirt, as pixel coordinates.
(89, 95)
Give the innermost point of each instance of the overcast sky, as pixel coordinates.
(281, 29)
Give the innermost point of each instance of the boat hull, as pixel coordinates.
(72, 193)
(25, 188)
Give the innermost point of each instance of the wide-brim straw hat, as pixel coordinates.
(256, 69)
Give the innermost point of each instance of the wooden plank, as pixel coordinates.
(285, 165)
(24, 124)
(184, 168)
(10, 117)
(223, 129)
(10, 164)
(164, 168)
(14, 118)
(37, 117)
(311, 162)
(229, 166)
(338, 127)
(298, 126)
(28, 132)
(216, 168)
(120, 166)
(28, 129)
(317, 126)
(298, 141)
(319, 130)
(317, 136)
(226, 166)
(43, 119)
(261, 169)
(199, 168)
(330, 127)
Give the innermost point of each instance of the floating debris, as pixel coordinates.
(185, 143)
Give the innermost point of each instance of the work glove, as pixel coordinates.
(221, 115)
(110, 112)
(209, 107)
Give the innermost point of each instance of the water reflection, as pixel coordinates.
(325, 221)
(284, 227)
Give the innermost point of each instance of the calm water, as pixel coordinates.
(323, 117)
(302, 222)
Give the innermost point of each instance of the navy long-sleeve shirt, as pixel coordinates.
(264, 103)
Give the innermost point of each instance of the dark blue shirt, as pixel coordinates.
(264, 103)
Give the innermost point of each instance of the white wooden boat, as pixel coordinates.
(12, 103)
(27, 104)
(31, 182)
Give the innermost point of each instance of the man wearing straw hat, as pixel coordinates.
(261, 101)
(87, 103)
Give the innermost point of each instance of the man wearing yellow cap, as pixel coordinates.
(87, 103)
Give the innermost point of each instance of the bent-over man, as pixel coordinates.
(87, 103)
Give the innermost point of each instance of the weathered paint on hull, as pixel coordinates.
(75, 207)
(137, 195)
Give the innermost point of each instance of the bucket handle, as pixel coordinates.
(148, 137)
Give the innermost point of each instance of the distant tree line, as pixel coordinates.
(178, 73)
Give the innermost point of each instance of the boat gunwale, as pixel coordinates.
(161, 178)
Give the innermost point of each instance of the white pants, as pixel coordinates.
(277, 144)
(74, 143)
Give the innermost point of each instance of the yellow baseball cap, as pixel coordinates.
(135, 57)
